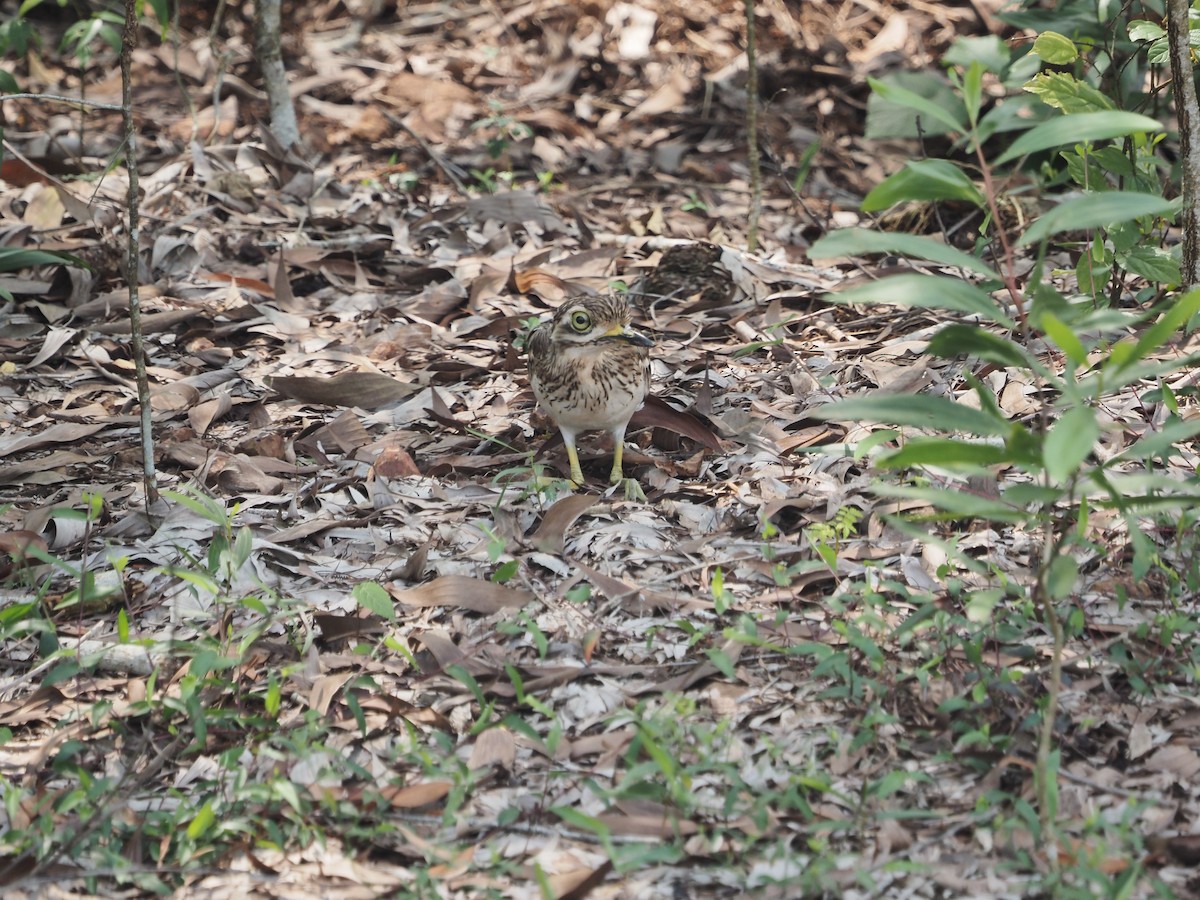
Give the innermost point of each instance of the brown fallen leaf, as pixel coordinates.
(15, 547)
(367, 390)
(395, 462)
(552, 531)
(464, 592)
(62, 433)
(657, 413)
(494, 747)
(578, 883)
(413, 796)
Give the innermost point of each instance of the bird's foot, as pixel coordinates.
(630, 489)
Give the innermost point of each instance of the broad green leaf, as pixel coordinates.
(1055, 48)
(886, 120)
(1064, 338)
(1071, 130)
(1068, 93)
(1153, 263)
(14, 258)
(1122, 369)
(924, 179)
(925, 292)
(916, 410)
(1061, 577)
(1156, 443)
(861, 242)
(944, 453)
(1181, 310)
(162, 13)
(902, 96)
(988, 51)
(202, 822)
(1143, 30)
(971, 340)
(1069, 442)
(1025, 494)
(1095, 211)
(957, 503)
(374, 598)
(981, 603)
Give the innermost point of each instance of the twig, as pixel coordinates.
(59, 98)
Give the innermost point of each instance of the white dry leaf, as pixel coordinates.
(1140, 740)
(635, 26)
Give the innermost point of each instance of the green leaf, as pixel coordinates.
(958, 503)
(1181, 310)
(944, 453)
(860, 242)
(1028, 494)
(1153, 263)
(1061, 577)
(1068, 93)
(988, 51)
(1095, 211)
(14, 258)
(1157, 443)
(162, 13)
(1070, 130)
(582, 821)
(202, 822)
(1143, 30)
(972, 92)
(1055, 48)
(1069, 442)
(925, 292)
(981, 603)
(1064, 338)
(374, 598)
(916, 410)
(925, 107)
(924, 179)
(721, 660)
(971, 340)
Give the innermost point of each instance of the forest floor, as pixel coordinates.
(362, 645)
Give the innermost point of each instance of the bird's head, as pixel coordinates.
(593, 320)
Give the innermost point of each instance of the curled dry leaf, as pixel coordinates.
(552, 531)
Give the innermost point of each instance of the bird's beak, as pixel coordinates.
(625, 333)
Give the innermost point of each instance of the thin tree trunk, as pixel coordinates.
(137, 346)
(1188, 114)
(270, 61)
(752, 131)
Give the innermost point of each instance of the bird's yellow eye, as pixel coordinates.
(581, 321)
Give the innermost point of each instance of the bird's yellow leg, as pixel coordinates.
(573, 459)
(617, 475)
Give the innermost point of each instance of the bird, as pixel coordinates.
(591, 371)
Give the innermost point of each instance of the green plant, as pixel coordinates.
(693, 203)
(1105, 352)
(827, 538)
(500, 130)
